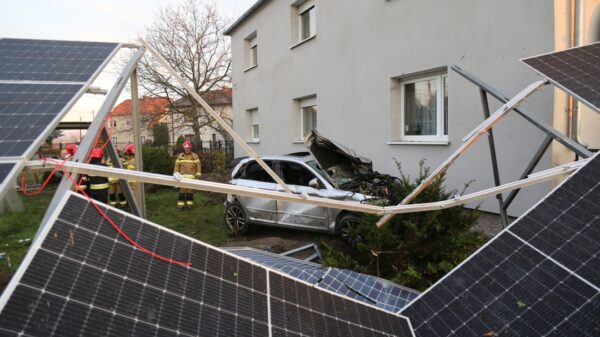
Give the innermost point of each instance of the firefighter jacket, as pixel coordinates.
(96, 183)
(188, 165)
(114, 180)
(130, 165)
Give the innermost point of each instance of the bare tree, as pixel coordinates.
(190, 37)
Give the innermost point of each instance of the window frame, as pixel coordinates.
(251, 51)
(441, 134)
(310, 11)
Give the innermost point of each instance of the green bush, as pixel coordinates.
(157, 160)
(413, 249)
(179, 144)
(161, 134)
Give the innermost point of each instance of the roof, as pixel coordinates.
(212, 97)
(257, 6)
(147, 105)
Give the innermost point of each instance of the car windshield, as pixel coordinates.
(319, 169)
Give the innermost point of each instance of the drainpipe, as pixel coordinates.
(575, 40)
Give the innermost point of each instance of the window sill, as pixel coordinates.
(250, 68)
(420, 142)
(303, 41)
(297, 141)
(253, 141)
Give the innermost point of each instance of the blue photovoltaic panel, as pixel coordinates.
(42, 60)
(540, 277)
(81, 278)
(576, 70)
(365, 288)
(361, 287)
(302, 270)
(26, 110)
(5, 169)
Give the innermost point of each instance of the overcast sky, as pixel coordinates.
(97, 20)
(92, 20)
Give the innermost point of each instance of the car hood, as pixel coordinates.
(339, 161)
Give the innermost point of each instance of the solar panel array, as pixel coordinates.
(540, 277)
(81, 278)
(26, 110)
(575, 70)
(42, 60)
(361, 287)
(39, 81)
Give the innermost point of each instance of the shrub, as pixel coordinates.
(157, 160)
(161, 134)
(414, 249)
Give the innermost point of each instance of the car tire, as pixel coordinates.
(345, 229)
(235, 218)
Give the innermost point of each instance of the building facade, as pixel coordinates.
(375, 76)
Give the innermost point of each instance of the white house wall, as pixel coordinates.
(361, 45)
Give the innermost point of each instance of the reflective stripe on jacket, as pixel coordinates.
(188, 165)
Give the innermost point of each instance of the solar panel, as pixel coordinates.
(42, 60)
(361, 287)
(82, 278)
(575, 70)
(537, 278)
(300, 269)
(5, 169)
(26, 110)
(365, 288)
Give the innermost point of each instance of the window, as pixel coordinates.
(253, 171)
(309, 119)
(143, 139)
(305, 116)
(112, 124)
(304, 23)
(251, 51)
(420, 113)
(253, 126)
(296, 174)
(114, 141)
(307, 23)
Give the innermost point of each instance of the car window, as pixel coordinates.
(253, 171)
(296, 174)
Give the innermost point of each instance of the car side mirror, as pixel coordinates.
(314, 183)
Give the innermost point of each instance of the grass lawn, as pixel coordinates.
(203, 222)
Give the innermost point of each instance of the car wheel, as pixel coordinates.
(347, 229)
(235, 218)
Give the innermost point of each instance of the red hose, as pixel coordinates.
(59, 166)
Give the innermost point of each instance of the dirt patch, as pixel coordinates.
(278, 240)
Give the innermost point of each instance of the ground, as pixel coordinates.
(204, 222)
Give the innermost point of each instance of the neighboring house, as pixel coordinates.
(181, 125)
(375, 76)
(152, 110)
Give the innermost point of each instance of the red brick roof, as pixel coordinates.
(212, 97)
(147, 105)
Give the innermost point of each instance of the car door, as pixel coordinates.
(258, 209)
(297, 177)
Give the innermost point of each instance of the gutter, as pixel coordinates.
(255, 8)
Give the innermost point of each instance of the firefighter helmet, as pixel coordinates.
(187, 144)
(71, 149)
(97, 153)
(130, 149)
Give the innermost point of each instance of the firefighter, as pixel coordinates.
(70, 152)
(188, 165)
(130, 165)
(115, 193)
(97, 186)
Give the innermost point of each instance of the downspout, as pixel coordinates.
(575, 40)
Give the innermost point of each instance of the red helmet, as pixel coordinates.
(71, 149)
(187, 144)
(97, 153)
(130, 149)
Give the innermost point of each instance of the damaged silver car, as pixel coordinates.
(318, 173)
